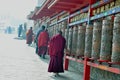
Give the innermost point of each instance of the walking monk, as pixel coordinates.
(29, 36)
(56, 52)
(43, 39)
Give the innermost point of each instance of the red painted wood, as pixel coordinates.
(104, 67)
(86, 75)
(66, 63)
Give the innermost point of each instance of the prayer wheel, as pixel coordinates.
(81, 41)
(88, 41)
(106, 40)
(59, 25)
(69, 46)
(64, 26)
(55, 29)
(96, 41)
(74, 40)
(66, 36)
(51, 31)
(116, 41)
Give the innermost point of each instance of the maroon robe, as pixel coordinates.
(56, 52)
(29, 36)
(43, 39)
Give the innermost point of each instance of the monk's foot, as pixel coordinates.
(56, 74)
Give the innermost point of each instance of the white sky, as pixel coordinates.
(16, 10)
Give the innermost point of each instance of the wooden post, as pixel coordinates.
(86, 75)
(66, 64)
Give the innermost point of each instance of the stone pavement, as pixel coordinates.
(18, 61)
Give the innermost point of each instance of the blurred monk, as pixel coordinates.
(56, 52)
(43, 39)
(29, 36)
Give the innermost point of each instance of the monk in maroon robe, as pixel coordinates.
(43, 39)
(56, 52)
(29, 36)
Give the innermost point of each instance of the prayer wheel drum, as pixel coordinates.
(81, 41)
(74, 40)
(59, 26)
(106, 41)
(49, 31)
(66, 36)
(56, 28)
(96, 41)
(64, 26)
(53, 29)
(115, 58)
(88, 41)
(69, 46)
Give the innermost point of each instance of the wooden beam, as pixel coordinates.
(61, 8)
(65, 5)
(77, 2)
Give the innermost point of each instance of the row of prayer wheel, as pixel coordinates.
(53, 29)
(101, 40)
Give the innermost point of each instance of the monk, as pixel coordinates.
(43, 39)
(56, 52)
(36, 37)
(29, 36)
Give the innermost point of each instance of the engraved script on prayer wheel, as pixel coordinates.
(88, 41)
(96, 41)
(106, 41)
(116, 41)
(81, 41)
(74, 41)
(70, 40)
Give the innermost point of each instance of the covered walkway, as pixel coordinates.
(18, 61)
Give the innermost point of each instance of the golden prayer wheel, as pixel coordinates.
(116, 41)
(74, 40)
(69, 46)
(80, 41)
(88, 41)
(96, 43)
(106, 40)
